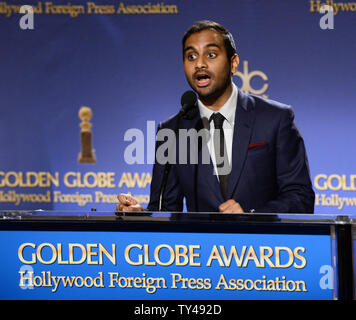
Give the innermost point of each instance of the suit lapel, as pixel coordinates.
(244, 121)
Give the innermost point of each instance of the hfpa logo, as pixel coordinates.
(246, 78)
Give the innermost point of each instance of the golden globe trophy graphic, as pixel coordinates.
(87, 154)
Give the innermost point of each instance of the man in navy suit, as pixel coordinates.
(259, 142)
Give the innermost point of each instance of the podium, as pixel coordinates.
(176, 256)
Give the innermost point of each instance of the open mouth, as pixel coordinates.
(202, 79)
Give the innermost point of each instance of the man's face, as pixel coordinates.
(206, 65)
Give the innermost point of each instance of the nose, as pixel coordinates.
(201, 63)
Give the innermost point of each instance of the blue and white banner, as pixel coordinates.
(164, 266)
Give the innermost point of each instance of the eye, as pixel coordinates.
(212, 55)
(191, 56)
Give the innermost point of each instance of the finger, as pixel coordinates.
(228, 208)
(137, 207)
(235, 208)
(225, 205)
(120, 207)
(127, 199)
(132, 208)
(122, 197)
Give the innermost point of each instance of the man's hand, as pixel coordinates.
(128, 203)
(230, 206)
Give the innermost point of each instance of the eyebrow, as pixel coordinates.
(207, 46)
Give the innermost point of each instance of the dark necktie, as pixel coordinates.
(221, 158)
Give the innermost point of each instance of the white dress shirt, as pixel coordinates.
(228, 111)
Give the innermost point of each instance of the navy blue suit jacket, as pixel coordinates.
(269, 170)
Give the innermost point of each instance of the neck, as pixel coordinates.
(215, 102)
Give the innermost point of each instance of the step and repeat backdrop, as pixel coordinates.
(84, 84)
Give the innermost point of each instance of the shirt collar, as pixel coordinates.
(227, 110)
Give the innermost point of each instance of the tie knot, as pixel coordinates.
(218, 119)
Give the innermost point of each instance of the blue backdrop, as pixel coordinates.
(127, 67)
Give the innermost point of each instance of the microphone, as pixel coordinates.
(188, 111)
(188, 101)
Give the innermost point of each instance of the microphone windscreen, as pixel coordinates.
(189, 98)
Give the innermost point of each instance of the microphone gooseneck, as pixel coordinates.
(188, 102)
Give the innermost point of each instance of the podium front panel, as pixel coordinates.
(166, 256)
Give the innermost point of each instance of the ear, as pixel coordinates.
(234, 63)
